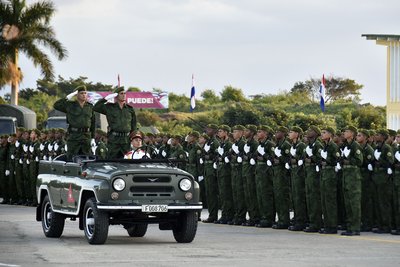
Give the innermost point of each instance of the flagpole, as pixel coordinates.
(192, 96)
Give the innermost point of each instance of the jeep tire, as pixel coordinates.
(138, 230)
(95, 223)
(185, 228)
(52, 222)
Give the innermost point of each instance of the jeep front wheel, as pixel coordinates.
(186, 227)
(95, 223)
(52, 222)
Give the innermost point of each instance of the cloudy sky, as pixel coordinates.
(260, 46)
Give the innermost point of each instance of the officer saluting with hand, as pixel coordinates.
(81, 120)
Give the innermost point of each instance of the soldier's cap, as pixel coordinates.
(392, 132)
(383, 132)
(238, 127)
(119, 89)
(45, 131)
(315, 129)
(61, 130)
(364, 132)
(282, 129)
(21, 129)
(251, 127)
(205, 136)
(372, 132)
(13, 135)
(351, 128)
(195, 134)
(329, 129)
(4, 136)
(80, 88)
(150, 134)
(266, 129)
(177, 137)
(225, 127)
(296, 129)
(36, 131)
(212, 126)
(136, 134)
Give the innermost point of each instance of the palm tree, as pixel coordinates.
(24, 30)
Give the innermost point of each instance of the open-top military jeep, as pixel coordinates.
(132, 193)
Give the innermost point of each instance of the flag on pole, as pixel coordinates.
(119, 82)
(192, 96)
(322, 93)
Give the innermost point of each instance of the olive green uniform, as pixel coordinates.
(264, 177)
(281, 183)
(330, 156)
(11, 178)
(101, 150)
(4, 188)
(19, 176)
(367, 205)
(33, 159)
(81, 127)
(178, 153)
(352, 185)
(210, 177)
(238, 183)
(121, 122)
(396, 193)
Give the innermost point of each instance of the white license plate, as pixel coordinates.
(155, 208)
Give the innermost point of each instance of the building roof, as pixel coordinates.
(382, 37)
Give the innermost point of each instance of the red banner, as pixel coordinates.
(137, 99)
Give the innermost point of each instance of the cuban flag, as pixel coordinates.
(192, 96)
(322, 93)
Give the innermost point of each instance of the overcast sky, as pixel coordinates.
(260, 46)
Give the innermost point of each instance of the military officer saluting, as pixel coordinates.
(121, 120)
(81, 120)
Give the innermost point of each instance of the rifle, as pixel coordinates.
(201, 125)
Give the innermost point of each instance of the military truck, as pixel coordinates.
(131, 193)
(12, 116)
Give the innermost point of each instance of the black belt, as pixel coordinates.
(120, 134)
(78, 130)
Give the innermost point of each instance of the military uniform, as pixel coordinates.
(81, 122)
(178, 153)
(33, 157)
(19, 176)
(4, 188)
(11, 170)
(396, 193)
(121, 122)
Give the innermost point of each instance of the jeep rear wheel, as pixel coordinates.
(185, 229)
(138, 230)
(52, 222)
(95, 223)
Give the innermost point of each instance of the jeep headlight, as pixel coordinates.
(119, 184)
(185, 184)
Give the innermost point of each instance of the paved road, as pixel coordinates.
(22, 243)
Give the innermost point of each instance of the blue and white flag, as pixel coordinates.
(192, 96)
(322, 93)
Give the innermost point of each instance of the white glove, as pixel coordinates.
(215, 165)
(37, 159)
(269, 163)
(169, 141)
(17, 143)
(287, 167)
(71, 95)
(261, 150)
(226, 160)
(66, 148)
(187, 154)
(56, 147)
(163, 153)
(41, 147)
(44, 157)
(235, 148)
(31, 148)
(25, 148)
(397, 155)
(346, 152)
(111, 97)
(370, 168)
(20, 161)
(389, 171)
(300, 162)
(7, 173)
(246, 148)
(239, 160)
(186, 138)
(92, 142)
(220, 150)
(309, 151)
(49, 147)
(50, 158)
(94, 150)
(28, 162)
(338, 166)
(377, 154)
(12, 157)
(324, 154)
(206, 147)
(317, 168)
(201, 178)
(277, 152)
(293, 151)
(201, 160)
(252, 162)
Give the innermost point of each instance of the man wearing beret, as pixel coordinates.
(264, 176)
(210, 173)
(121, 120)
(352, 160)
(312, 160)
(281, 178)
(81, 120)
(384, 160)
(366, 169)
(330, 158)
(236, 160)
(4, 188)
(298, 176)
